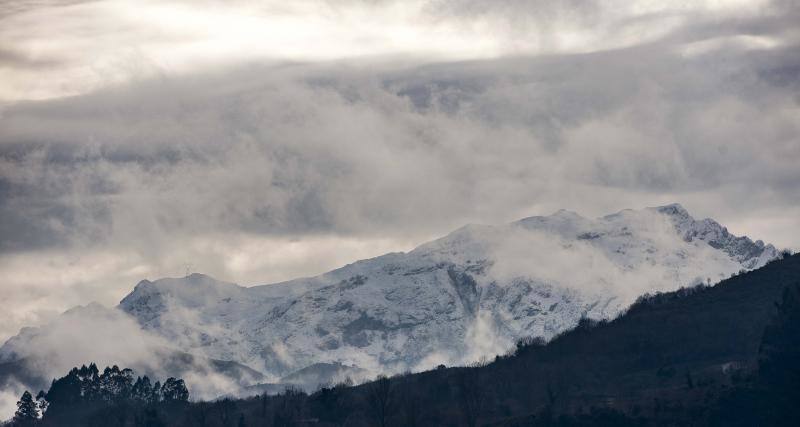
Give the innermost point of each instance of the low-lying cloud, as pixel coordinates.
(263, 172)
(107, 337)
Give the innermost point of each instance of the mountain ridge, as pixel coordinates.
(470, 294)
(735, 365)
(460, 282)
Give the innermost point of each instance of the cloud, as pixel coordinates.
(482, 341)
(304, 149)
(97, 43)
(173, 151)
(108, 337)
(9, 396)
(88, 334)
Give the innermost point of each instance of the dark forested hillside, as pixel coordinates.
(88, 396)
(721, 355)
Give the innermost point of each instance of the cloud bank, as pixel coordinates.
(173, 150)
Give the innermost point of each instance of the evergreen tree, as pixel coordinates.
(27, 410)
(41, 401)
(142, 389)
(174, 390)
(90, 382)
(155, 397)
(66, 390)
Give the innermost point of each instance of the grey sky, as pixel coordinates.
(261, 142)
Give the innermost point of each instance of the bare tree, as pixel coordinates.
(379, 399)
(333, 404)
(200, 415)
(226, 408)
(556, 389)
(471, 395)
(264, 401)
(289, 408)
(411, 405)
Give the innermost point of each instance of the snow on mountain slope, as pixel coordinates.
(108, 336)
(469, 294)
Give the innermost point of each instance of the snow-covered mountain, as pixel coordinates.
(470, 294)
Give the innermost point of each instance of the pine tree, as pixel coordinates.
(27, 410)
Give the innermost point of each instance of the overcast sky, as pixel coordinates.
(262, 141)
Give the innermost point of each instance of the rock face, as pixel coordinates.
(469, 294)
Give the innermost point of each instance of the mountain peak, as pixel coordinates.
(93, 306)
(566, 213)
(559, 219)
(193, 290)
(675, 209)
(559, 214)
(740, 248)
(170, 284)
(196, 277)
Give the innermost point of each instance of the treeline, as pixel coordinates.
(727, 355)
(85, 390)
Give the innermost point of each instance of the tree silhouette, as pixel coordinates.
(174, 390)
(379, 396)
(200, 414)
(149, 418)
(27, 410)
(779, 368)
(226, 408)
(471, 395)
(288, 407)
(411, 405)
(331, 404)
